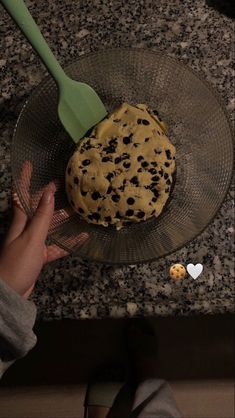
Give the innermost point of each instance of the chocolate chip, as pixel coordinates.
(107, 218)
(126, 140)
(115, 198)
(122, 188)
(130, 201)
(87, 147)
(109, 176)
(105, 159)
(144, 164)
(80, 210)
(96, 216)
(140, 158)
(75, 180)
(117, 160)
(145, 122)
(86, 162)
(113, 142)
(126, 164)
(155, 112)
(155, 178)
(109, 150)
(168, 154)
(69, 170)
(95, 195)
(140, 214)
(134, 180)
(129, 212)
(153, 186)
(125, 155)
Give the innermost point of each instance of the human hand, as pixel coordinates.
(24, 251)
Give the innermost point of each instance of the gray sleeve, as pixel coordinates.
(17, 318)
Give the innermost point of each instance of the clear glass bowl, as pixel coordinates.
(198, 127)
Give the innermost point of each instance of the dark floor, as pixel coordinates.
(71, 351)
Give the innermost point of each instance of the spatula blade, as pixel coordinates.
(79, 109)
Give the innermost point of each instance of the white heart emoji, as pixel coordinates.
(194, 270)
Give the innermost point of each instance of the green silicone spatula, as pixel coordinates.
(79, 108)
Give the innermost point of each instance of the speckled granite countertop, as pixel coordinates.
(200, 37)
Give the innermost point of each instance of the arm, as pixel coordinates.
(22, 257)
(17, 317)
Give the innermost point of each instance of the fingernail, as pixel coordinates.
(47, 196)
(52, 186)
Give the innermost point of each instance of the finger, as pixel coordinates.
(19, 220)
(54, 253)
(62, 214)
(65, 213)
(39, 225)
(79, 240)
(35, 198)
(24, 181)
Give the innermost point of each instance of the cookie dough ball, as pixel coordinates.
(177, 272)
(122, 172)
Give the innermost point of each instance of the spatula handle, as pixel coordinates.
(19, 12)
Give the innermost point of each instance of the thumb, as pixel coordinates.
(39, 225)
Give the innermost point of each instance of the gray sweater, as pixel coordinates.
(17, 318)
